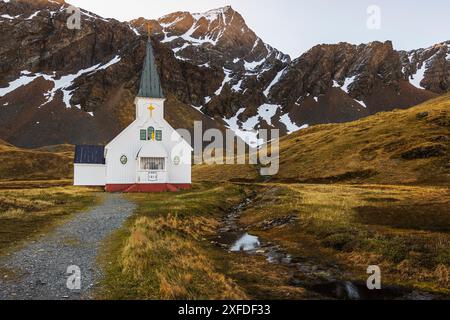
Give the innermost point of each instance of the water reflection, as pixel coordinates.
(246, 243)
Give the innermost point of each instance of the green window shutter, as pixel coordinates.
(158, 135)
(143, 135)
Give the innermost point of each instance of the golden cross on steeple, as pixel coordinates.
(151, 109)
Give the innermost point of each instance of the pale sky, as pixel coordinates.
(294, 26)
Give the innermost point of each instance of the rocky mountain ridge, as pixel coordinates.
(77, 86)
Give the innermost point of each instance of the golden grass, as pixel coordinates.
(173, 266)
(398, 147)
(34, 184)
(51, 163)
(218, 173)
(26, 213)
(160, 252)
(413, 250)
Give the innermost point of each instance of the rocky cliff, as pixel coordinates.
(78, 86)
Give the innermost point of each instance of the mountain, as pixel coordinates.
(344, 82)
(78, 86)
(396, 147)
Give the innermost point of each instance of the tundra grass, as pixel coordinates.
(50, 163)
(28, 213)
(160, 252)
(404, 230)
(400, 147)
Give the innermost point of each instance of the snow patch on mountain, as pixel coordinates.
(215, 16)
(33, 15)
(290, 125)
(136, 32)
(25, 78)
(274, 82)
(238, 86)
(267, 112)
(199, 109)
(347, 83)
(224, 82)
(7, 16)
(250, 137)
(417, 78)
(361, 103)
(91, 16)
(62, 84)
(252, 66)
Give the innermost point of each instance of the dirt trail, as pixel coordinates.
(39, 270)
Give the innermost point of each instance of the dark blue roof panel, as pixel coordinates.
(90, 154)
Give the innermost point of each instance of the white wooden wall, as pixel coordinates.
(128, 143)
(89, 174)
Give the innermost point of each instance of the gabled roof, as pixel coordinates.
(150, 84)
(90, 155)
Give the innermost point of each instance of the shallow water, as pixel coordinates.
(246, 243)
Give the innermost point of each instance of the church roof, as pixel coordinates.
(150, 84)
(90, 154)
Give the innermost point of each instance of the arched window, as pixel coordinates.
(151, 133)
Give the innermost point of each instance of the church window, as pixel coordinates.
(157, 164)
(158, 135)
(151, 133)
(143, 135)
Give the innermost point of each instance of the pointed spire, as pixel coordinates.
(150, 84)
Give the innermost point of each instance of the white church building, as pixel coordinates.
(148, 156)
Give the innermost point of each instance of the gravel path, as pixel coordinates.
(42, 266)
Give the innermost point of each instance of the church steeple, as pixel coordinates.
(150, 84)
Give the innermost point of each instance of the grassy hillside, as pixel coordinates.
(49, 163)
(408, 146)
(402, 146)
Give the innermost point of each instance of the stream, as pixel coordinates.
(326, 281)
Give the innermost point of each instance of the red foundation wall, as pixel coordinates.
(147, 188)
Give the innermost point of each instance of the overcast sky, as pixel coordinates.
(294, 26)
